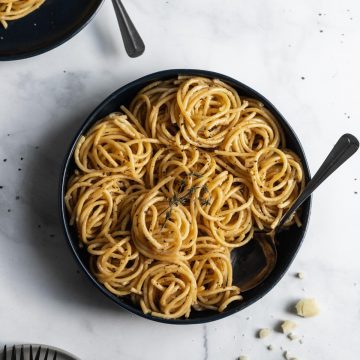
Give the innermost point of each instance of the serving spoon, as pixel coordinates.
(133, 43)
(253, 262)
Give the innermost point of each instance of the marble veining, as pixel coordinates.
(302, 55)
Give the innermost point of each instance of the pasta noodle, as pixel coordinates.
(17, 9)
(165, 190)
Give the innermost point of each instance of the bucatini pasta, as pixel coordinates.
(165, 190)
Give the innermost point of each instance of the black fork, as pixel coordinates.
(15, 352)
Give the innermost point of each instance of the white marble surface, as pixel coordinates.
(269, 45)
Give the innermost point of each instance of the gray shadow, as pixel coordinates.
(62, 277)
(107, 44)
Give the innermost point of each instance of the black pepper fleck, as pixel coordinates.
(9, 210)
(1, 187)
(19, 169)
(21, 158)
(52, 235)
(17, 198)
(355, 192)
(303, 78)
(5, 160)
(321, 31)
(39, 226)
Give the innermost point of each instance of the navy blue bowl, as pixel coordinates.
(51, 25)
(290, 240)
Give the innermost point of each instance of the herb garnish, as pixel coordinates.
(176, 200)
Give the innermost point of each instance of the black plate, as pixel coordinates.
(290, 240)
(61, 354)
(55, 22)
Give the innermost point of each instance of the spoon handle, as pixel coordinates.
(133, 43)
(346, 146)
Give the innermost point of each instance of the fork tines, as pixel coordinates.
(15, 352)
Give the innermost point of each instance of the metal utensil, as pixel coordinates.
(133, 43)
(253, 262)
(17, 352)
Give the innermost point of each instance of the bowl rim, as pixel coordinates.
(92, 118)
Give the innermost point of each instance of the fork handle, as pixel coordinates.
(133, 43)
(345, 147)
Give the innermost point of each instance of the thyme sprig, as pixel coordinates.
(176, 200)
